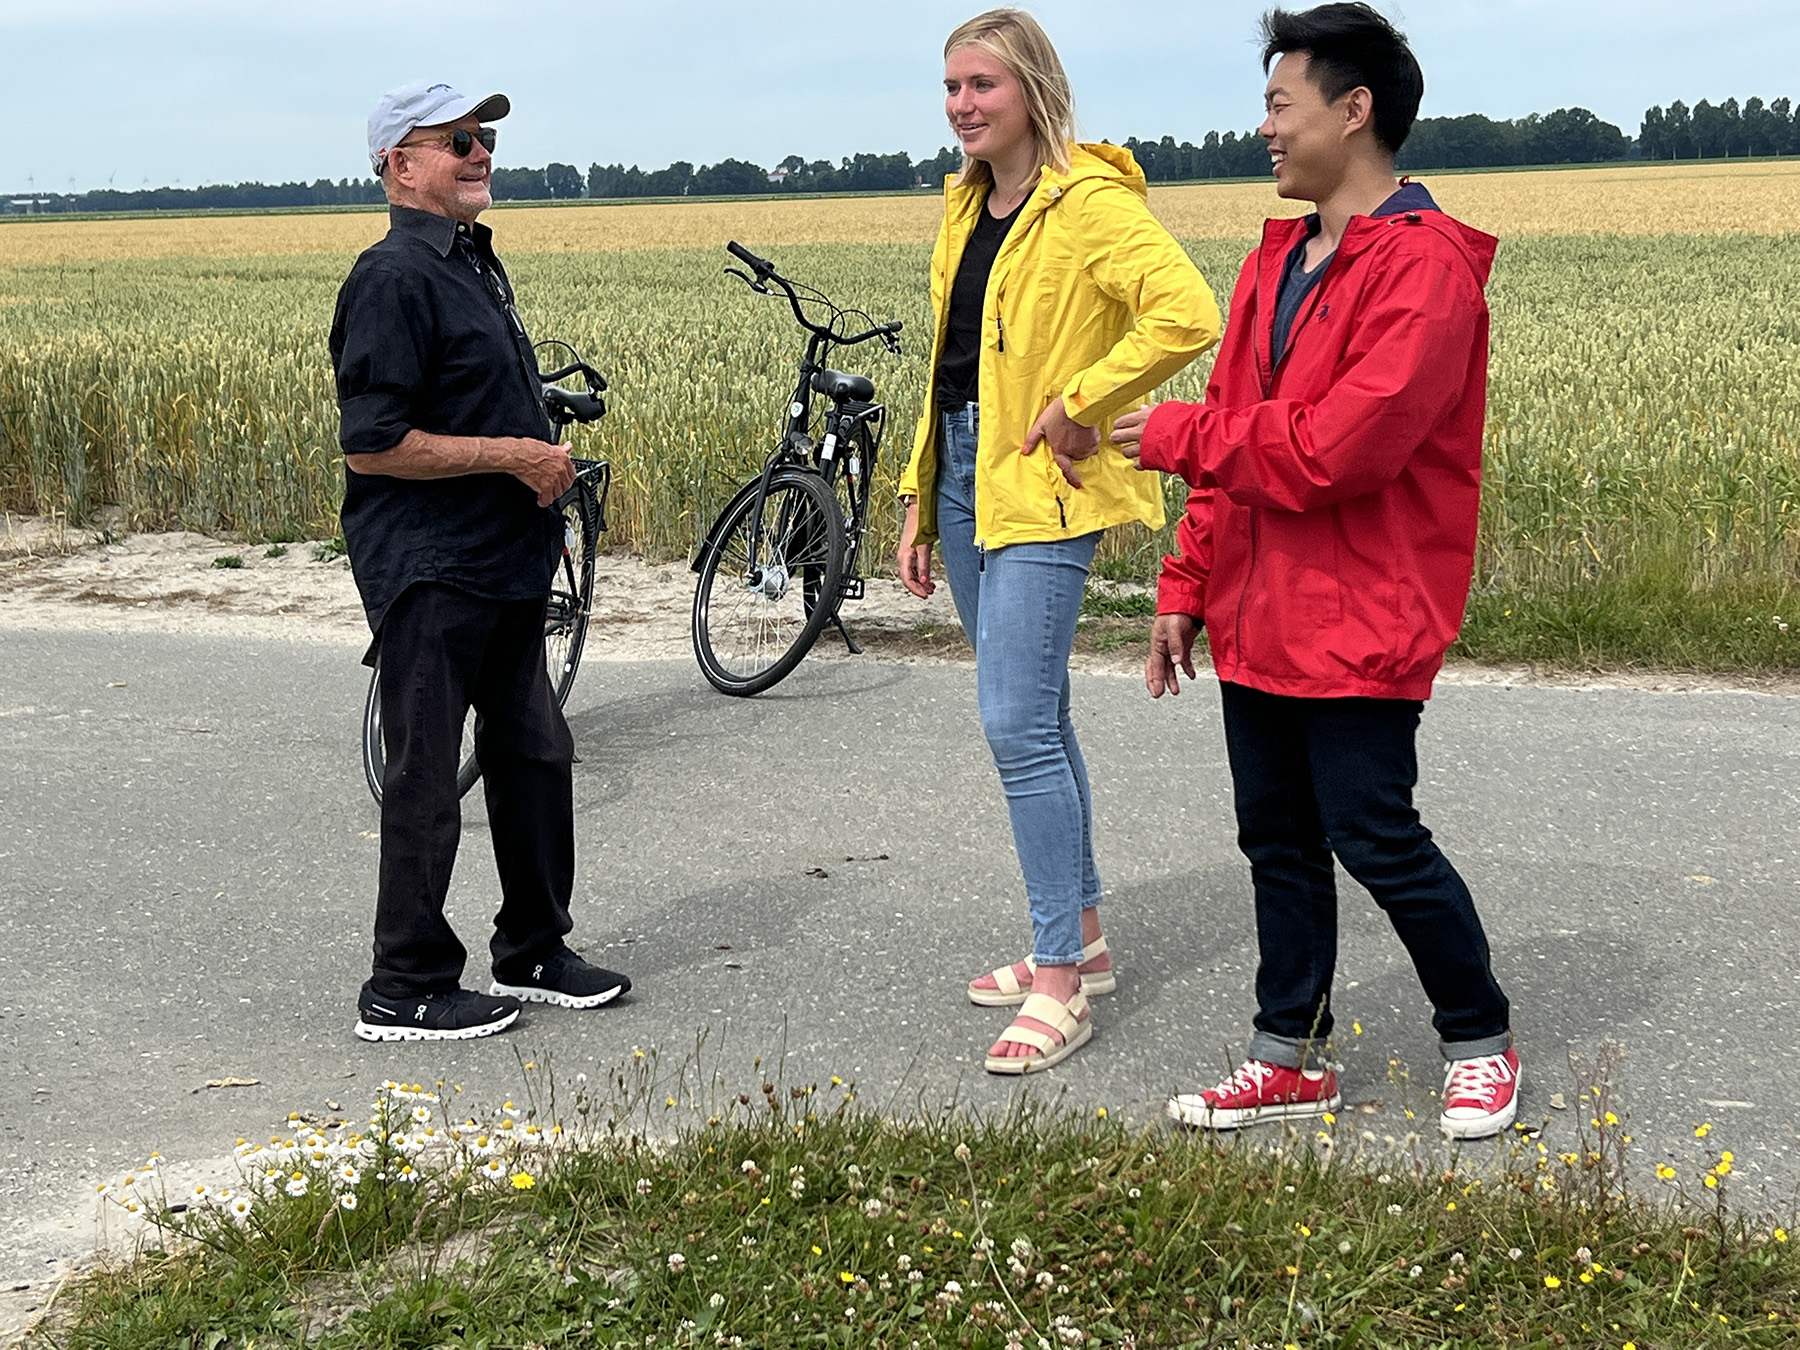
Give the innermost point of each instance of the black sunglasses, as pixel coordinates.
(460, 141)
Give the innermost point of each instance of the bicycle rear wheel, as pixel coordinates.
(751, 627)
(565, 634)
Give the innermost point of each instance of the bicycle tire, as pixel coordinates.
(571, 593)
(852, 491)
(566, 618)
(749, 637)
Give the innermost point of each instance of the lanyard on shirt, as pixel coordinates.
(501, 297)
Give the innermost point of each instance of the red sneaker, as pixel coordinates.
(1481, 1096)
(1257, 1092)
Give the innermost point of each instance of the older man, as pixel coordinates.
(448, 515)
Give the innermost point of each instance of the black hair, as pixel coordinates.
(1349, 46)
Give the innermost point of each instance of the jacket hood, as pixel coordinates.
(1086, 162)
(1411, 204)
(1100, 161)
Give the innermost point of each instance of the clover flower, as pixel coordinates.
(677, 1263)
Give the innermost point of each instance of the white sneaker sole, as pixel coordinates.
(1485, 1127)
(526, 993)
(1192, 1110)
(405, 1033)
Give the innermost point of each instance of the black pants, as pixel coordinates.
(443, 651)
(1314, 777)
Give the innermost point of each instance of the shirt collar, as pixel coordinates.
(440, 232)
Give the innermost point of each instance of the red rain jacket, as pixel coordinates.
(1330, 535)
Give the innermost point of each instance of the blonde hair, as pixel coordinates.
(1020, 44)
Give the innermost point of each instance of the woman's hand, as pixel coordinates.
(915, 558)
(1068, 440)
(1128, 433)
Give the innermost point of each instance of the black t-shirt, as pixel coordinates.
(426, 336)
(959, 368)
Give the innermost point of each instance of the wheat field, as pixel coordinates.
(1644, 403)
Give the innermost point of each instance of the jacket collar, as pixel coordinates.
(1410, 202)
(439, 232)
(1086, 161)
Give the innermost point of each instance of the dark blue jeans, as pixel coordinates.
(1315, 777)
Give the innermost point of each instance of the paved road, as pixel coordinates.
(187, 862)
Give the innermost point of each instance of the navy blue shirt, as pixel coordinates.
(426, 336)
(1297, 283)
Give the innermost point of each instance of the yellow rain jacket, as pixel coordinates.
(1090, 299)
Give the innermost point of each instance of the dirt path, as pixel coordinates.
(180, 582)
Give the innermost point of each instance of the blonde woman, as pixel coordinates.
(1060, 302)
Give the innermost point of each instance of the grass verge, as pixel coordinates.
(794, 1217)
(1651, 622)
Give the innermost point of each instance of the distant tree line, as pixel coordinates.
(1706, 131)
(1566, 136)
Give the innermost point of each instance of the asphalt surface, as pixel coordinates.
(187, 864)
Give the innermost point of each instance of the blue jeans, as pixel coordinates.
(1314, 777)
(1018, 607)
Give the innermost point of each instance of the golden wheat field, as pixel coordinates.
(1644, 416)
(1762, 198)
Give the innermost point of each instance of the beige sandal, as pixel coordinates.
(1011, 993)
(1068, 1022)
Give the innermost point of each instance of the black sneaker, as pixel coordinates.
(563, 979)
(459, 1015)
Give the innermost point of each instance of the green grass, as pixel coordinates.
(794, 1217)
(1640, 623)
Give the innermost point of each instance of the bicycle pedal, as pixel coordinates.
(851, 588)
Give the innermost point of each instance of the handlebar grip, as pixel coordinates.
(749, 259)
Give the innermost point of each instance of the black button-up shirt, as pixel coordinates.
(426, 336)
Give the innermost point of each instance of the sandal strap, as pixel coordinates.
(1064, 1017)
(1026, 1036)
(1006, 982)
(1093, 949)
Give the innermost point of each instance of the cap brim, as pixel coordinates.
(492, 108)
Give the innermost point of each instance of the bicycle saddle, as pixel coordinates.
(842, 388)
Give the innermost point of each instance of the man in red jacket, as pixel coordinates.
(1327, 547)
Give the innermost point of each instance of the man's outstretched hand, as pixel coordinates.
(1128, 433)
(1171, 649)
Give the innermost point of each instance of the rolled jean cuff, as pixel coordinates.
(1038, 958)
(1287, 1052)
(1091, 902)
(1487, 1045)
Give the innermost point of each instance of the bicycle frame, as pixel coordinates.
(843, 420)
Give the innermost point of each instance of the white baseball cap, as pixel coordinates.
(422, 104)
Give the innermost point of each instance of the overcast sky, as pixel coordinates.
(130, 92)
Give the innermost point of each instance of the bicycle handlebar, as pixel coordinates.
(765, 273)
(761, 266)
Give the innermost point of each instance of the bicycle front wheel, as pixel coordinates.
(571, 593)
(753, 624)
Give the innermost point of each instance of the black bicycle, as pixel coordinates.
(583, 509)
(783, 554)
